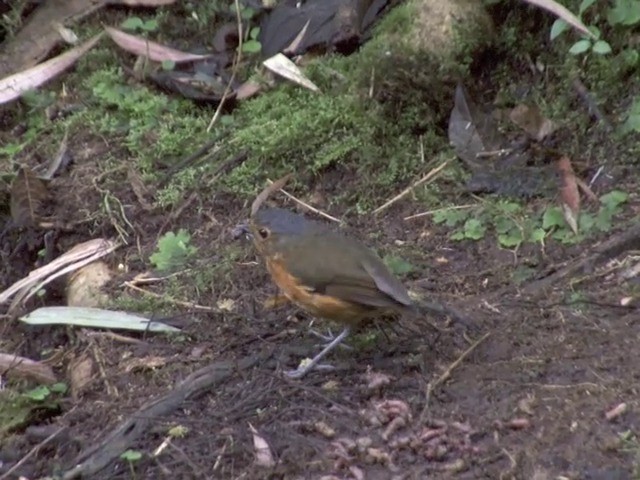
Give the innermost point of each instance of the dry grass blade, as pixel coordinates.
(277, 185)
(563, 14)
(28, 194)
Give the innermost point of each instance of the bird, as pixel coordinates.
(326, 273)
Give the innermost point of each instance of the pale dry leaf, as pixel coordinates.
(66, 34)
(80, 371)
(264, 457)
(564, 14)
(295, 43)
(281, 65)
(226, 304)
(248, 89)
(324, 429)
(143, 47)
(85, 286)
(19, 367)
(15, 85)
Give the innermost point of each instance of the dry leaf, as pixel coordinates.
(20, 367)
(80, 371)
(145, 363)
(569, 194)
(85, 285)
(146, 48)
(15, 85)
(28, 195)
(284, 67)
(564, 14)
(226, 304)
(264, 457)
(530, 119)
(139, 189)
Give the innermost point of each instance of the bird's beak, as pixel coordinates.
(241, 230)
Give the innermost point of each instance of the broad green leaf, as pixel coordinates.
(132, 23)
(601, 47)
(552, 217)
(580, 46)
(558, 27)
(251, 46)
(474, 229)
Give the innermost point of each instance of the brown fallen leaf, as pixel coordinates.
(20, 367)
(569, 194)
(29, 194)
(80, 371)
(530, 119)
(142, 193)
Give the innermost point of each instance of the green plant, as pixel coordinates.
(586, 43)
(513, 225)
(131, 456)
(252, 45)
(42, 392)
(398, 265)
(136, 24)
(173, 251)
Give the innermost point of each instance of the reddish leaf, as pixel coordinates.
(531, 120)
(569, 194)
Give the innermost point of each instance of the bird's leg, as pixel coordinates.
(328, 338)
(303, 370)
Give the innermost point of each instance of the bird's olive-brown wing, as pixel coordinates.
(342, 267)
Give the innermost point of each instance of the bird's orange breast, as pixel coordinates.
(317, 304)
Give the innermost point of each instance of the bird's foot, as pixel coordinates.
(328, 338)
(309, 365)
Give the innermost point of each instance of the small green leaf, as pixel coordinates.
(168, 65)
(511, 239)
(580, 46)
(132, 23)
(397, 265)
(632, 123)
(255, 31)
(624, 12)
(59, 388)
(614, 198)
(173, 251)
(247, 13)
(552, 218)
(150, 25)
(603, 221)
(558, 27)
(131, 455)
(251, 46)
(38, 394)
(474, 229)
(601, 47)
(537, 235)
(450, 217)
(586, 222)
(584, 5)
(457, 236)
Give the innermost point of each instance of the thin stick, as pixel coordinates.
(32, 452)
(438, 210)
(447, 373)
(408, 190)
(264, 194)
(234, 70)
(307, 206)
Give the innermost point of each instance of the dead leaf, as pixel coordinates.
(284, 67)
(264, 457)
(324, 429)
(140, 190)
(248, 89)
(143, 47)
(145, 363)
(569, 194)
(20, 367)
(472, 132)
(226, 304)
(530, 119)
(15, 85)
(564, 14)
(29, 194)
(85, 285)
(80, 371)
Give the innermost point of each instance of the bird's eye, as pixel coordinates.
(263, 232)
